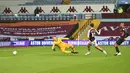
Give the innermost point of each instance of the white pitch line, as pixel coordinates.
(5, 57)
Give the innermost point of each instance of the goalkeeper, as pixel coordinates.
(62, 45)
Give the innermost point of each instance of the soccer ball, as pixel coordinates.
(14, 52)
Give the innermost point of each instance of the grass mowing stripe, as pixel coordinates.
(44, 60)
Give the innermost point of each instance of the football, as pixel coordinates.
(14, 52)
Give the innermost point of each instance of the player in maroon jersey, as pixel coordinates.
(92, 41)
(124, 35)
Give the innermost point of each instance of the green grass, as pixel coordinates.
(44, 60)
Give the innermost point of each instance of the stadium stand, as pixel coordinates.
(92, 1)
(43, 2)
(66, 1)
(4, 39)
(58, 2)
(42, 17)
(123, 1)
(22, 39)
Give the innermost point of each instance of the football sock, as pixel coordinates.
(67, 51)
(104, 51)
(88, 49)
(73, 49)
(100, 50)
(117, 49)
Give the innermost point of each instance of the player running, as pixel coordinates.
(124, 35)
(62, 45)
(92, 41)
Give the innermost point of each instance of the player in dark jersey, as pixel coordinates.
(92, 41)
(124, 35)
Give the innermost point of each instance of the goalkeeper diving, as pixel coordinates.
(62, 45)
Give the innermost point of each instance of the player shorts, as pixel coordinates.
(65, 46)
(119, 41)
(93, 43)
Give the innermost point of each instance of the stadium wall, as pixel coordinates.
(112, 28)
(109, 30)
(64, 8)
(38, 29)
(111, 15)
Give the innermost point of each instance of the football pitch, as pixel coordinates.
(44, 60)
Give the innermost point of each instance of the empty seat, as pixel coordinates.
(43, 2)
(46, 17)
(92, 1)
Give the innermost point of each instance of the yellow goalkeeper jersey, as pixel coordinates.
(60, 43)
